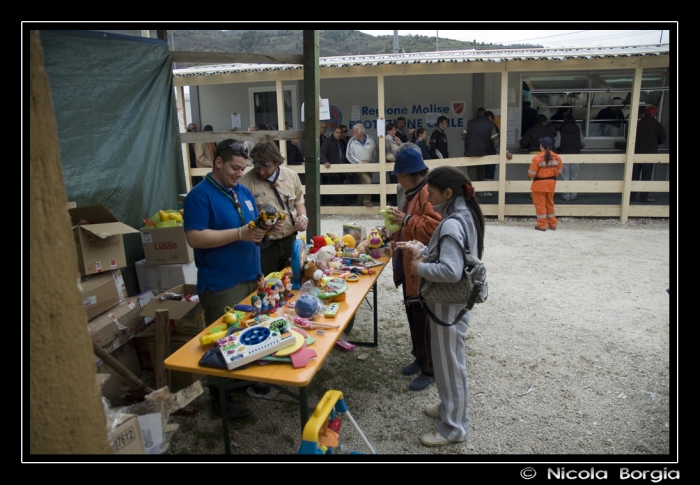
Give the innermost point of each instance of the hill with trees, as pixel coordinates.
(331, 42)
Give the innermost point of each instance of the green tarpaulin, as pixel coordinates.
(117, 123)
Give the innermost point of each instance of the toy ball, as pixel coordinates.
(306, 306)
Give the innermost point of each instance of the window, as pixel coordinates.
(591, 98)
(263, 106)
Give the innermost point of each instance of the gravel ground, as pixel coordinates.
(571, 355)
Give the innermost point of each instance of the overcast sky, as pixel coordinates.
(545, 37)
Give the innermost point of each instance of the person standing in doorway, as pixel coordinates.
(543, 172)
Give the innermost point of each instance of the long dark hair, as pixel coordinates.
(443, 178)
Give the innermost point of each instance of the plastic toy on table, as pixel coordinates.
(269, 215)
(322, 430)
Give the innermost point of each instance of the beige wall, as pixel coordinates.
(65, 408)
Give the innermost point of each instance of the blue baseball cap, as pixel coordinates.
(546, 142)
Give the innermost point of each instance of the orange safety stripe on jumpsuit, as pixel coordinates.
(544, 175)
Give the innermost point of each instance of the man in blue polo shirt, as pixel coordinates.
(216, 216)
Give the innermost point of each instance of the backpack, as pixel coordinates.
(471, 289)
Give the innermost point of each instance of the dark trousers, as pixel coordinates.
(277, 256)
(645, 169)
(419, 326)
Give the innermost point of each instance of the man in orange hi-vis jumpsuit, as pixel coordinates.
(543, 172)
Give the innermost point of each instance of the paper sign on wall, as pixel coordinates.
(324, 110)
(381, 127)
(236, 120)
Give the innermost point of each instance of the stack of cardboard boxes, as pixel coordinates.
(168, 268)
(113, 316)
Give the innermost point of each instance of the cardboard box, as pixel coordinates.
(178, 380)
(166, 245)
(100, 243)
(358, 232)
(117, 325)
(144, 298)
(102, 291)
(186, 317)
(126, 438)
(159, 278)
(116, 385)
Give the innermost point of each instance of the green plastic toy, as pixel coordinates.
(387, 220)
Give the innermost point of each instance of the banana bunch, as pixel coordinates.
(164, 218)
(170, 216)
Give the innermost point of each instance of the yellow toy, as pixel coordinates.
(349, 241)
(370, 245)
(268, 217)
(319, 436)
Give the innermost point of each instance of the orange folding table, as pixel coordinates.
(280, 374)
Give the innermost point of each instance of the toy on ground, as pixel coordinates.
(322, 431)
(268, 217)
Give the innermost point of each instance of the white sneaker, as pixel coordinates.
(432, 411)
(435, 439)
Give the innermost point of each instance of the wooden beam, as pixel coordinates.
(381, 143)
(235, 58)
(256, 136)
(120, 369)
(312, 151)
(162, 324)
(631, 140)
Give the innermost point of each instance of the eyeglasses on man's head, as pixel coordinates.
(261, 164)
(237, 147)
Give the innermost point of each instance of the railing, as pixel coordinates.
(512, 191)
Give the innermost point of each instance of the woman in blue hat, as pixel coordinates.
(543, 172)
(417, 220)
